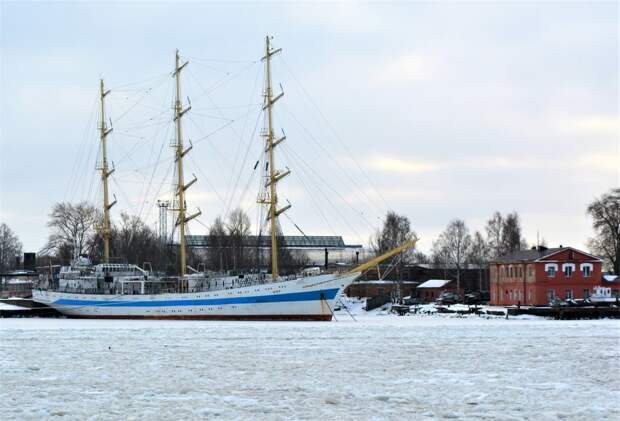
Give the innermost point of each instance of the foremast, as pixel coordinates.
(181, 187)
(273, 175)
(106, 172)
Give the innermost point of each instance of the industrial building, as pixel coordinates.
(320, 249)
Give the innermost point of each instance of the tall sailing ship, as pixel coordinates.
(112, 290)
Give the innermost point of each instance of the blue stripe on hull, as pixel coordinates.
(328, 294)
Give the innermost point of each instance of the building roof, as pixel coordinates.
(291, 241)
(535, 254)
(435, 283)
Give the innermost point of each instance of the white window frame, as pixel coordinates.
(568, 294)
(589, 266)
(549, 266)
(568, 265)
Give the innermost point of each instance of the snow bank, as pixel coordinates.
(4, 306)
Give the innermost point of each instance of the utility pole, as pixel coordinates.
(105, 174)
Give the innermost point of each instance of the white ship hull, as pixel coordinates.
(307, 298)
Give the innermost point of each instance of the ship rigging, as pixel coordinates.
(109, 290)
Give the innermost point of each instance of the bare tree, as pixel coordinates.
(135, 241)
(217, 255)
(287, 261)
(238, 229)
(605, 213)
(420, 258)
(10, 247)
(504, 234)
(73, 229)
(395, 231)
(511, 234)
(479, 255)
(454, 243)
(494, 234)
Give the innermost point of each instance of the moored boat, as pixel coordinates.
(109, 290)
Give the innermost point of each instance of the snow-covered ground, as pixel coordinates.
(356, 307)
(415, 367)
(4, 306)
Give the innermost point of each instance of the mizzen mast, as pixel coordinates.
(105, 174)
(271, 199)
(181, 187)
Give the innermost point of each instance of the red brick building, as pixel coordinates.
(535, 277)
(430, 290)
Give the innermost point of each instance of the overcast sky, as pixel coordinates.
(435, 110)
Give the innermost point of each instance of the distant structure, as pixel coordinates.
(430, 290)
(19, 282)
(473, 278)
(163, 206)
(320, 249)
(541, 275)
(382, 285)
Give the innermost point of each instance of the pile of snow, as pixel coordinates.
(356, 307)
(4, 306)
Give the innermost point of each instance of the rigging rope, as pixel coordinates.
(333, 130)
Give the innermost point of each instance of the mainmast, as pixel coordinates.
(273, 175)
(180, 152)
(105, 174)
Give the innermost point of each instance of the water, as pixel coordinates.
(377, 368)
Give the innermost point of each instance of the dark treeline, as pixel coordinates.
(74, 231)
(456, 248)
(229, 248)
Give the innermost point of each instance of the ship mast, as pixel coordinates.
(105, 174)
(273, 175)
(181, 187)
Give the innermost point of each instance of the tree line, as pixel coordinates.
(456, 247)
(74, 229)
